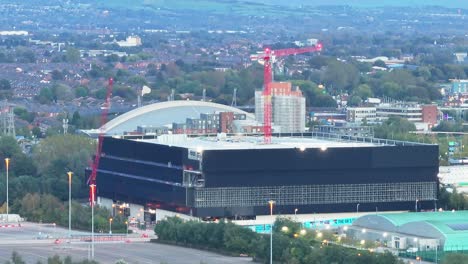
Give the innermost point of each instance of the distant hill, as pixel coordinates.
(217, 4)
(213, 4)
(369, 3)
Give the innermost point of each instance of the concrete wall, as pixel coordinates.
(12, 218)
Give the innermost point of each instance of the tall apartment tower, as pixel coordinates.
(288, 107)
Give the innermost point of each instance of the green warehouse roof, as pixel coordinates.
(451, 226)
(400, 219)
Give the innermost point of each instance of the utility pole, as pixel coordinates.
(11, 122)
(65, 125)
(234, 98)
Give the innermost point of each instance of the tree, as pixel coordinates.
(56, 155)
(394, 128)
(61, 92)
(392, 90)
(237, 238)
(81, 91)
(36, 131)
(380, 63)
(354, 100)
(125, 92)
(5, 84)
(76, 118)
(363, 91)
(317, 62)
(5, 89)
(16, 258)
(72, 55)
(20, 164)
(57, 75)
(45, 96)
(137, 80)
(23, 114)
(340, 76)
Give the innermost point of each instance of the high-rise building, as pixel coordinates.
(288, 107)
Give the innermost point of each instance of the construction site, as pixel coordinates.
(236, 176)
(224, 173)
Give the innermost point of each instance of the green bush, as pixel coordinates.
(289, 244)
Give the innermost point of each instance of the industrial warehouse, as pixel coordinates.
(235, 176)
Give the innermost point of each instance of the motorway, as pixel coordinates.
(24, 241)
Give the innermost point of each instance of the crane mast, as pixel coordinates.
(104, 113)
(267, 57)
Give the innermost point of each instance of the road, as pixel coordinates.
(108, 253)
(24, 241)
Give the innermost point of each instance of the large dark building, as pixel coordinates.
(237, 176)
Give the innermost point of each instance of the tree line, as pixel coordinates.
(291, 243)
(292, 246)
(38, 183)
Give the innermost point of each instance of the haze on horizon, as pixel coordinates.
(370, 3)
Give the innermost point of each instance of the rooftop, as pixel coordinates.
(254, 142)
(449, 226)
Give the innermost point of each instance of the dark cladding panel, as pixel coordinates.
(317, 159)
(285, 159)
(133, 167)
(330, 176)
(260, 167)
(143, 151)
(405, 156)
(139, 190)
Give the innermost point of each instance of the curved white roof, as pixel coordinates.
(163, 113)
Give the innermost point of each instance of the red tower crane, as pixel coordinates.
(105, 110)
(267, 57)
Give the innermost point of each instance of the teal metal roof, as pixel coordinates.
(446, 216)
(442, 221)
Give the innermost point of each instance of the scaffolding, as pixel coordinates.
(315, 194)
(288, 110)
(8, 119)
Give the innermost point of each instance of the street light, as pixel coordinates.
(416, 205)
(70, 174)
(7, 163)
(271, 202)
(295, 213)
(126, 223)
(357, 208)
(110, 226)
(92, 188)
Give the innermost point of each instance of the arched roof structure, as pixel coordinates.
(162, 114)
(450, 227)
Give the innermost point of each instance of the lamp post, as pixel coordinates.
(271, 202)
(295, 213)
(416, 206)
(7, 164)
(70, 174)
(357, 208)
(126, 223)
(110, 226)
(92, 186)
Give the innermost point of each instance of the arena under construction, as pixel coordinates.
(235, 176)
